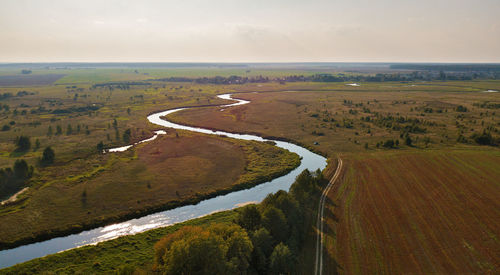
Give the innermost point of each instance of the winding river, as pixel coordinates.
(309, 160)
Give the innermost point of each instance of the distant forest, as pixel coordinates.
(340, 77)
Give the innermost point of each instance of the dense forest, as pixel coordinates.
(264, 239)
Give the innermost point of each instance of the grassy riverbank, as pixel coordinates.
(294, 211)
(107, 257)
(176, 169)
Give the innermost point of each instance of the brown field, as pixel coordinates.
(157, 175)
(320, 116)
(29, 80)
(420, 212)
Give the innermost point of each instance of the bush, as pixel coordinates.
(461, 108)
(389, 143)
(483, 139)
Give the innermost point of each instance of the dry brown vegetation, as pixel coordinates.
(419, 212)
(332, 115)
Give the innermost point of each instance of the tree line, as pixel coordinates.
(263, 239)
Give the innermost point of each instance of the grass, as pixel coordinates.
(175, 169)
(331, 116)
(108, 257)
(416, 212)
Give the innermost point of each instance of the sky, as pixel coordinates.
(250, 31)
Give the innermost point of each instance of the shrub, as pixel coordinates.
(483, 139)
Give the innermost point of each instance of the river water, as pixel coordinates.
(309, 160)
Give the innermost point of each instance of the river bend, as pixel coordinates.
(309, 160)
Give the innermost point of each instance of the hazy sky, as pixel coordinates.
(250, 31)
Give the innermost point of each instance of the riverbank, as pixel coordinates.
(110, 256)
(224, 166)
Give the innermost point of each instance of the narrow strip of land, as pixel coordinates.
(318, 267)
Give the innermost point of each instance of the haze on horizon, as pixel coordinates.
(250, 31)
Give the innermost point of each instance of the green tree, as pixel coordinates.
(49, 131)
(408, 141)
(274, 221)
(22, 170)
(219, 249)
(281, 260)
(48, 156)
(58, 130)
(249, 217)
(126, 135)
(100, 147)
(69, 130)
(23, 143)
(262, 249)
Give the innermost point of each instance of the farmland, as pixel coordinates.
(419, 212)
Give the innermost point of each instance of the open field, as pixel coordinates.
(175, 169)
(28, 80)
(416, 212)
(334, 115)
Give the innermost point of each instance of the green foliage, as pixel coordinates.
(100, 147)
(58, 130)
(281, 260)
(23, 143)
(21, 169)
(13, 179)
(218, 249)
(461, 109)
(69, 130)
(249, 217)
(114, 256)
(274, 221)
(408, 141)
(483, 139)
(48, 156)
(263, 246)
(126, 135)
(277, 228)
